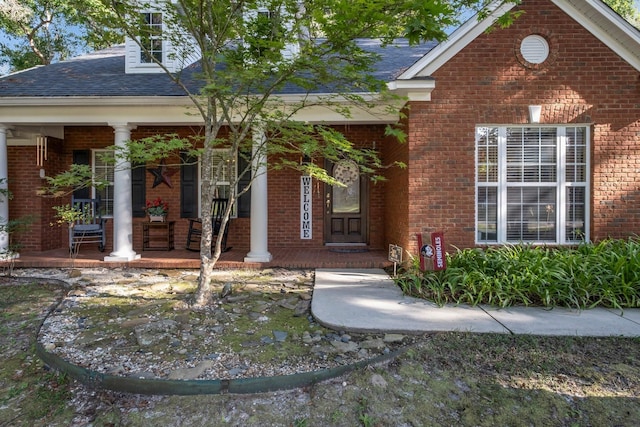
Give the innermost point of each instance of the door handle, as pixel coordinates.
(328, 203)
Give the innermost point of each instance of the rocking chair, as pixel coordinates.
(89, 227)
(195, 227)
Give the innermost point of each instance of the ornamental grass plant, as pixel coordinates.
(605, 274)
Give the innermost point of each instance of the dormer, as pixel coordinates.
(154, 36)
(158, 46)
(266, 19)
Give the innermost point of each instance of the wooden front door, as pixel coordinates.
(346, 219)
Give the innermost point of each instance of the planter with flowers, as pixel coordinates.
(157, 210)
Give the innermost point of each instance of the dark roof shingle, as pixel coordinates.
(102, 74)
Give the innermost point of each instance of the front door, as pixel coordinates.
(346, 207)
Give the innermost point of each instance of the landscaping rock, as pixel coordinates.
(191, 373)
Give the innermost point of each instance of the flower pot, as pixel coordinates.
(156, 218)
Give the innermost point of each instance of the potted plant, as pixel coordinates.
(157, 210)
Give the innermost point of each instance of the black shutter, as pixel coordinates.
(138, 190)
(188, 187)
(82, 157)
(244, 201)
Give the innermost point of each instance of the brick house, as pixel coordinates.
(528, 133)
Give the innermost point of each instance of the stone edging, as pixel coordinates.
(193, 387)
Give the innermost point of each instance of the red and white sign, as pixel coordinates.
(432, 254)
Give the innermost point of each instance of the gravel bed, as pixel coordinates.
(134, 323)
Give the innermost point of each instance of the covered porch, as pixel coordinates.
(90, 257)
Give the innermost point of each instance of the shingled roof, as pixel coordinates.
(102, 74)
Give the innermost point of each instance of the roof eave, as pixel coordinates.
(465, 34)
(39, 101)
(626, 32)
(414, 90)
(457, 41)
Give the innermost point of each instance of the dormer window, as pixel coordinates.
(151, 38)
(152, 46)
(267, 32)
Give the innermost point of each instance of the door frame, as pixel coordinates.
(362, 238)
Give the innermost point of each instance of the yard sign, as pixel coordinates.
(432, 254)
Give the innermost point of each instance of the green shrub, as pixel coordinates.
(603, 274)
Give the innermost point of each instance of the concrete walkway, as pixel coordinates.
(367, 300)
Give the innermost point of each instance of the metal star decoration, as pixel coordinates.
(161, 174)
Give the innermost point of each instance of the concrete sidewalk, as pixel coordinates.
(367, 300)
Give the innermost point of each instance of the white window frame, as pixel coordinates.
(220, 154)
(561, 186)
(103, 169)
(163, 48)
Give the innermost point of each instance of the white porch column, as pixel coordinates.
(259, 202)
(122, 202)
(4, 199)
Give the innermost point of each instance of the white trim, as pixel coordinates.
(106, 167)
(259, 221)
(169, 111)
(413, 90)
(458, 40)
(617, 34)
(560, 185)
(612, 34)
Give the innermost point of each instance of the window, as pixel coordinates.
(531, 184)
(103, 169)
(224, 172)
(151, 38)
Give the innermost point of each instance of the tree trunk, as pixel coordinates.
(208, 258)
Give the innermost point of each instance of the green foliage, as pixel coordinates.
(76, 177)
(301, 422)
(12, 226)
(39, 32)
(627, 9)
(67, 214)
(366, 420)
(604, 274)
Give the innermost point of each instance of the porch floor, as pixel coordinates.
(182, 259)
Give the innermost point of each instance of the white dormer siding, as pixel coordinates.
(174, 58)
(291, 49)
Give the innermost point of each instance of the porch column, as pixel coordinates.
(259, 202)
(122, 202)
(4, 199)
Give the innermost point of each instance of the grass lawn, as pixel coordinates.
(445, 379)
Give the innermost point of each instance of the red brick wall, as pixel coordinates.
(583, 81)
(24, 180)
(27, 204)
(397, 194)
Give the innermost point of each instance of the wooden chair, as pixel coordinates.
(195, 227)
(89, 227)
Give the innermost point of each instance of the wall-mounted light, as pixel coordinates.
(534, 113)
